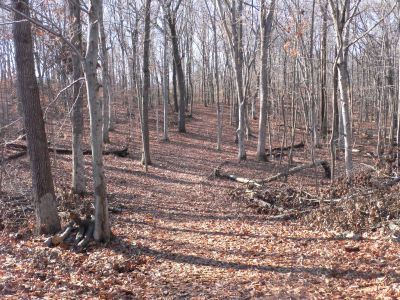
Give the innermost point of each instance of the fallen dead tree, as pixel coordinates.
(279, 150)
(257, 182)
(323, 163)
(62, 151)
(218, 174)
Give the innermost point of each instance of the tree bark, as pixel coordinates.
(266, 28)
(102, 230)
(165, 83)
(146, 88)
(107, 112)
(171, 18)
(78, 167)
(47, 219)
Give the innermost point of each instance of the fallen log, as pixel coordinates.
(23, 150)
(218, 174)
(279, 150)
(14, 156)
(323, 163)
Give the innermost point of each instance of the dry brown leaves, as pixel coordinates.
(180, 235)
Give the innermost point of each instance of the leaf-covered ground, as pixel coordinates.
(180, 235)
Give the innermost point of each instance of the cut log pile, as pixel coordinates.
(82, 227)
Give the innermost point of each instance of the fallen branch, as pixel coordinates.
(288, 216)
(323, 163)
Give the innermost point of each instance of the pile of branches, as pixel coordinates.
(278, 203)
(368, 204)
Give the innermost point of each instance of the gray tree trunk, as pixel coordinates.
(102, 230)
(339, 20)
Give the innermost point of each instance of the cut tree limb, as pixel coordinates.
(57, 239)
(299, 168)
(88, 236)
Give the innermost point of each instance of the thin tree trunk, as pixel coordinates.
(146, 88)
(78, 167)
(107, 112)
(102, 230)
(165, 83)
(266, 28)
(179, 70)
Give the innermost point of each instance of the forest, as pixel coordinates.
(199, 149)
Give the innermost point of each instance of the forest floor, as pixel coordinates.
(179, 234)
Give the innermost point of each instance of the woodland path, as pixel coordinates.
(181, 236)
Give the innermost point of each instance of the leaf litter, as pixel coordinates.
(180, 235)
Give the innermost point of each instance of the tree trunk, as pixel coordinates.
(165, 83)
(102, 230)
(106, 82)
(78, 167)
(324, 115)
(47, 219)
(146, 88)
(179, 70)
(266, 28)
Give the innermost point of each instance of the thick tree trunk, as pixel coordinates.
(78, 167)
(47, 219)
(266, 28)
(102, 230)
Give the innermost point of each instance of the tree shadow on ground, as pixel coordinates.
(122, 247)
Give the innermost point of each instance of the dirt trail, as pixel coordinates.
(195, 242)
(205, 245)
